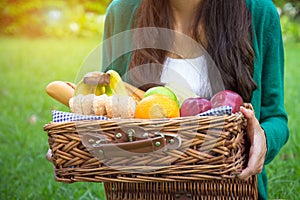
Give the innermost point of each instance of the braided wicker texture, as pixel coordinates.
(212, 148)
(213, 151)
(226, 189)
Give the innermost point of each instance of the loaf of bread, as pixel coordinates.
(87, 104)
(136, 93)
(116, 106)
(127, 107)
(75, 104)
(99, 105)
(61, 91)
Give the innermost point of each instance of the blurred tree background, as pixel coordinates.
(289, 11)
(82, 18)
(55, 18)
(281, 3)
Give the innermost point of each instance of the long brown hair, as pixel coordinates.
(226, 26)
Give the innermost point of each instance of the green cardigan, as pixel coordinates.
(268, 98)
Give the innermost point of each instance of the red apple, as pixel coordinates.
(227, 98)
(193, 106)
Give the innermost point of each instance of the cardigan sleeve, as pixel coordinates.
(117, 38)
(273, 117)
(106, 42)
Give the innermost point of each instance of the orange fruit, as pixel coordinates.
(162, 90)
(157, 106)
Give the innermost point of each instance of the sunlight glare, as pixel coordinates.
(55, 15)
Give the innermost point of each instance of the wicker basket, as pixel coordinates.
(194, 190)
(178, 158)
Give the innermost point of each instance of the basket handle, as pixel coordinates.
(100, 149)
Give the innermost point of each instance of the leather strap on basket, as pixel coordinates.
(101, 149)
(129, 134)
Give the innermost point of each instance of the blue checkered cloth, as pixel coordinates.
(219, 111)
(60, 116)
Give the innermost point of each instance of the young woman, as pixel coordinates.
(243, 38)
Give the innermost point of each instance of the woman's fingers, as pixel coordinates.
(258, 148)
(256, 160)
(49, 155)
(249, 114)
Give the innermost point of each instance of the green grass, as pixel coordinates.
(27, 66)
(284, 171)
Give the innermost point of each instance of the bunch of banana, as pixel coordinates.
(99, 83)
(86, 97)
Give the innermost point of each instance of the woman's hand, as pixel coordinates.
(258, 148)
(49, 155)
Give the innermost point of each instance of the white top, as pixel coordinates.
(189, 73)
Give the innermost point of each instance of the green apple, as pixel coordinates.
(162, 90)
(181, 91)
